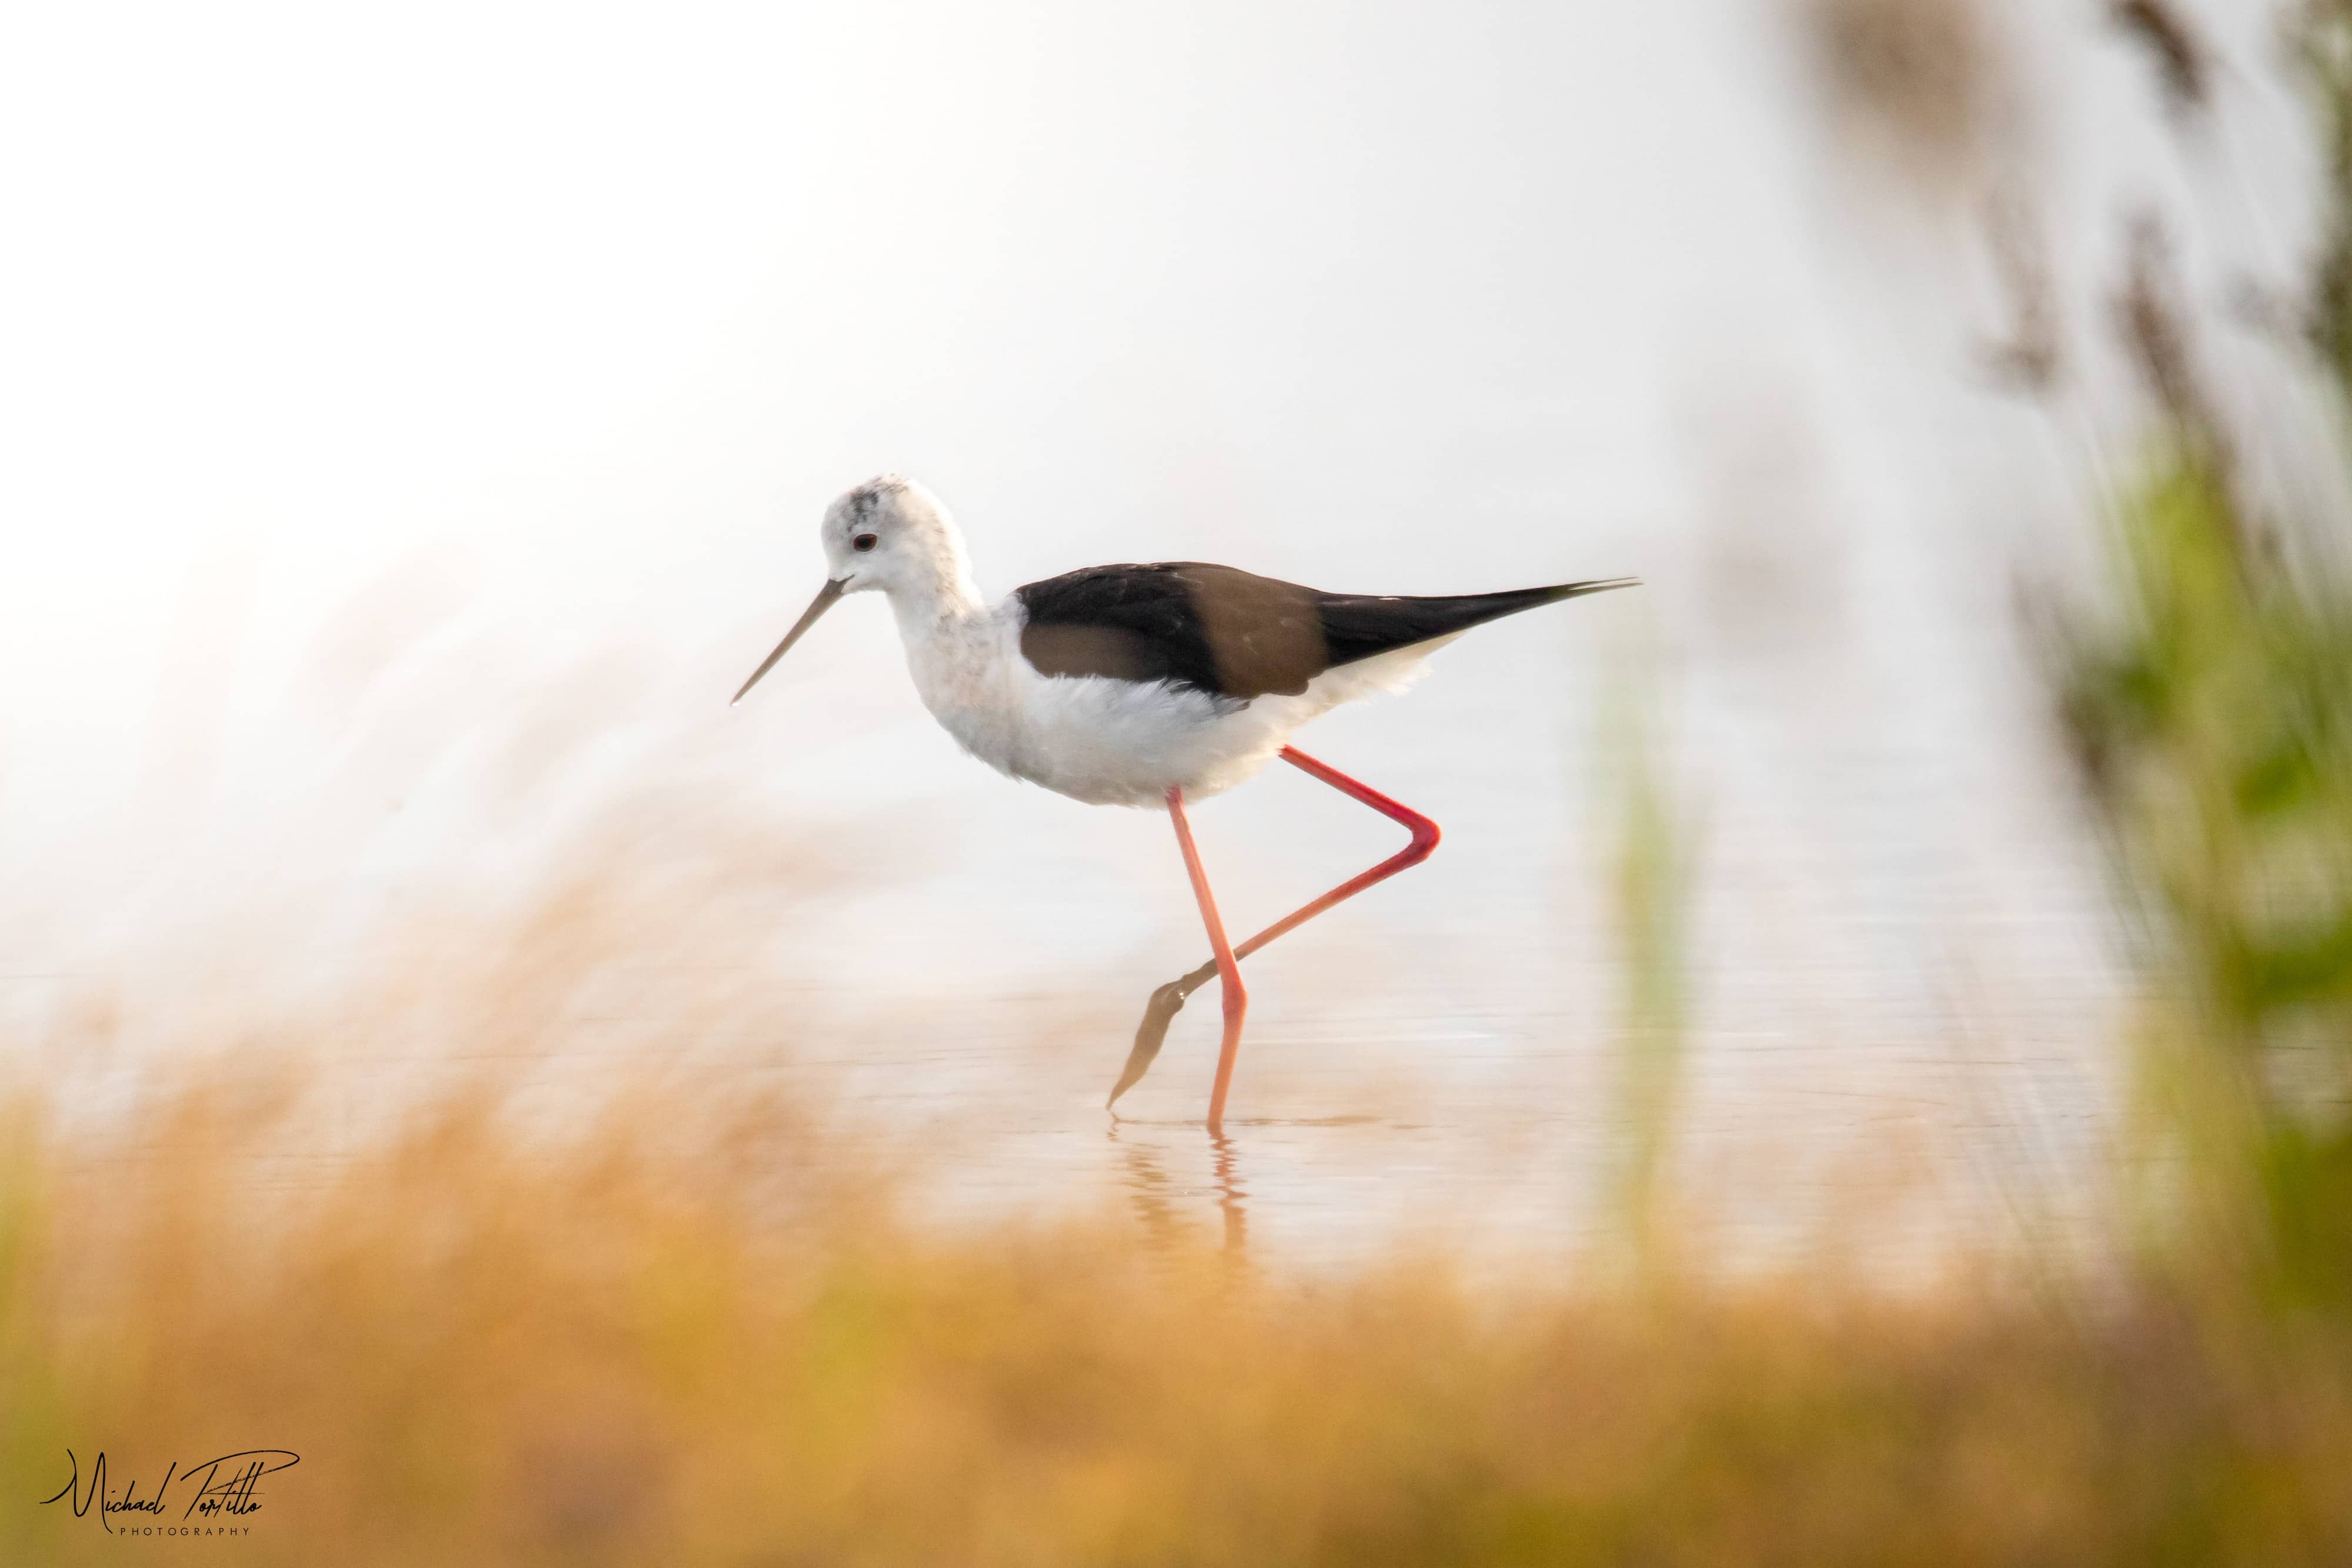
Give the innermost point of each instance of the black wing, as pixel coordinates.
(1234, 635)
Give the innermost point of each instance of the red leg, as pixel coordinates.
(1168, 998)
(1424, 842)
(1228, 967)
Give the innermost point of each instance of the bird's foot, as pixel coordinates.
(1157, 1013)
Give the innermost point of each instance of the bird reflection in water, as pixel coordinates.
(1230, 1193)
(1157, 1201)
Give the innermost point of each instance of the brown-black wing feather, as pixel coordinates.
(1218, 630)
(1232, 634)
(1362, 626)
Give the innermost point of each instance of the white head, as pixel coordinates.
(893, 535)
(889, 534)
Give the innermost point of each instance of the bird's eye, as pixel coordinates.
(863, 542)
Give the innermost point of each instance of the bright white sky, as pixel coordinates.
(520, 336)
(605, 307)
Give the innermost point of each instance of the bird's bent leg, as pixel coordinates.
(1170, 999)
(1228, 967)
(1423, 844)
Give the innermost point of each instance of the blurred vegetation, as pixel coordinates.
(1924, 80)
(1653, 889)
(2212, 725)
(2209, 712)
(2322, 33)
(2212, 722)
(616, 1348)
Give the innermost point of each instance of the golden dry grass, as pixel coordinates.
(696, 1333)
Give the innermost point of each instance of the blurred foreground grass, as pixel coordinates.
(692, 1330)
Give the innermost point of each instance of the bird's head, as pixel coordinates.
(888, 534)
(893, 535)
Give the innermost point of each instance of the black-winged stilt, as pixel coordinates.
(1143, 685)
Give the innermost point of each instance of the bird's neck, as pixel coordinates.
(941, 599)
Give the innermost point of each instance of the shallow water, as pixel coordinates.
(1902, 1000)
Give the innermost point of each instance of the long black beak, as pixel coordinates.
(823, 602)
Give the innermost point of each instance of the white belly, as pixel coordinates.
(1125, 743)
(1119, 743)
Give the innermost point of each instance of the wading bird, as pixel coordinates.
(1143, 685)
